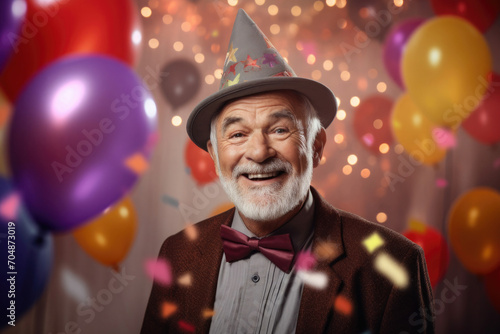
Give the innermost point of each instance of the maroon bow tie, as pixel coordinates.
(277, 248)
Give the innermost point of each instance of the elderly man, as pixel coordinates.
(283, 260)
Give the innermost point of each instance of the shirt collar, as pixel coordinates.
(300, 227)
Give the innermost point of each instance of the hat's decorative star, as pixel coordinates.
(231, 54)
(232, 68)
(252, 63)
(269, 59)
(235, 81)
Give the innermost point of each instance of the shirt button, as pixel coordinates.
(255, 278)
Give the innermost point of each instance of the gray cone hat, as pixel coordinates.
(254, 66)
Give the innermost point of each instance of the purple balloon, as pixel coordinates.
(12, 13)
(77, 128)
(394, 46)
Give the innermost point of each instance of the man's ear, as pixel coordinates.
(318, 146)
(211, 151)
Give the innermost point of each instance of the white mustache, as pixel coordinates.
(275, 165)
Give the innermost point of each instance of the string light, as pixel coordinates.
(339, 138)
(398, 3)
(338, 101)
(383, 148)
(352, 159)
(275, 29)
(318, 6)
(381, 217)
(328, 65)
(296, 11)
(347, 170)
(377, 124)
(381, 87)
(178, 46)
(209, 79)
(341, 114)
(330, 3)
(272, 10)
(199, 58)
(176, 120)
(365, 173)
(218, 73)
(146, 11)
(186, 26)
(153, 43)
(341, 3)
(316, 74)
(260, 2)
(311, 59)
(355, 101)
(232, 2)
(345, 75)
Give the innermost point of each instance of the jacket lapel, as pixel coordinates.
(328, 246)
(207, 268)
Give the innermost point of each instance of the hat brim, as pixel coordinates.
(321, 97)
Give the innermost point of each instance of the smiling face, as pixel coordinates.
(262, 154)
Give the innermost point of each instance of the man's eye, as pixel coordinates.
(280, 131)
(236, 135)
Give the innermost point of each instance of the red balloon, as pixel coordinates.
(480, 13)
(492, 284)
(200, 164)
(435, 248)
(483, 124)
(53, 29)
(372, 122)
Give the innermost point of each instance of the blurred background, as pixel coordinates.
(97, 169)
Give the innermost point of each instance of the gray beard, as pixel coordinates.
(265, 203)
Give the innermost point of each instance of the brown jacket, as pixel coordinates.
(358, 298)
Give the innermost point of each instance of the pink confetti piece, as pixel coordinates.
(441, 183)
(444, 138)
(305, 261)
(9, 206)
(159, 271)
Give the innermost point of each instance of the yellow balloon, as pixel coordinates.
(445, 67)
(414, 131)
(474, 230)
(108, 237)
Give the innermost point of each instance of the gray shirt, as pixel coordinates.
(255, 296)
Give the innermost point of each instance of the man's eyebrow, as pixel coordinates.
(228, 121)
(285, 113)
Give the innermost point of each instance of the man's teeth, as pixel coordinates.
(262, 176)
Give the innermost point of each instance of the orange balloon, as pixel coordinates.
(108, 237)
(474, 230)
(221, 208)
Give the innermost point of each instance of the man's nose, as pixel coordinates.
(259, 148)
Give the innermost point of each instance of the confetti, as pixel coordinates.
(368, 139)
(305, 261)
(208, 313)
(167, 309)
(373, 242)
(167, 199)
(317, 280)
(191, 232)
(9, 206)
(137, 163)
(74, 285)
(392, 270)
(342, 305)
(185, 280)
(326, 250)
(441, 183)
(160, 271)
(444, 138)
(185, 326)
